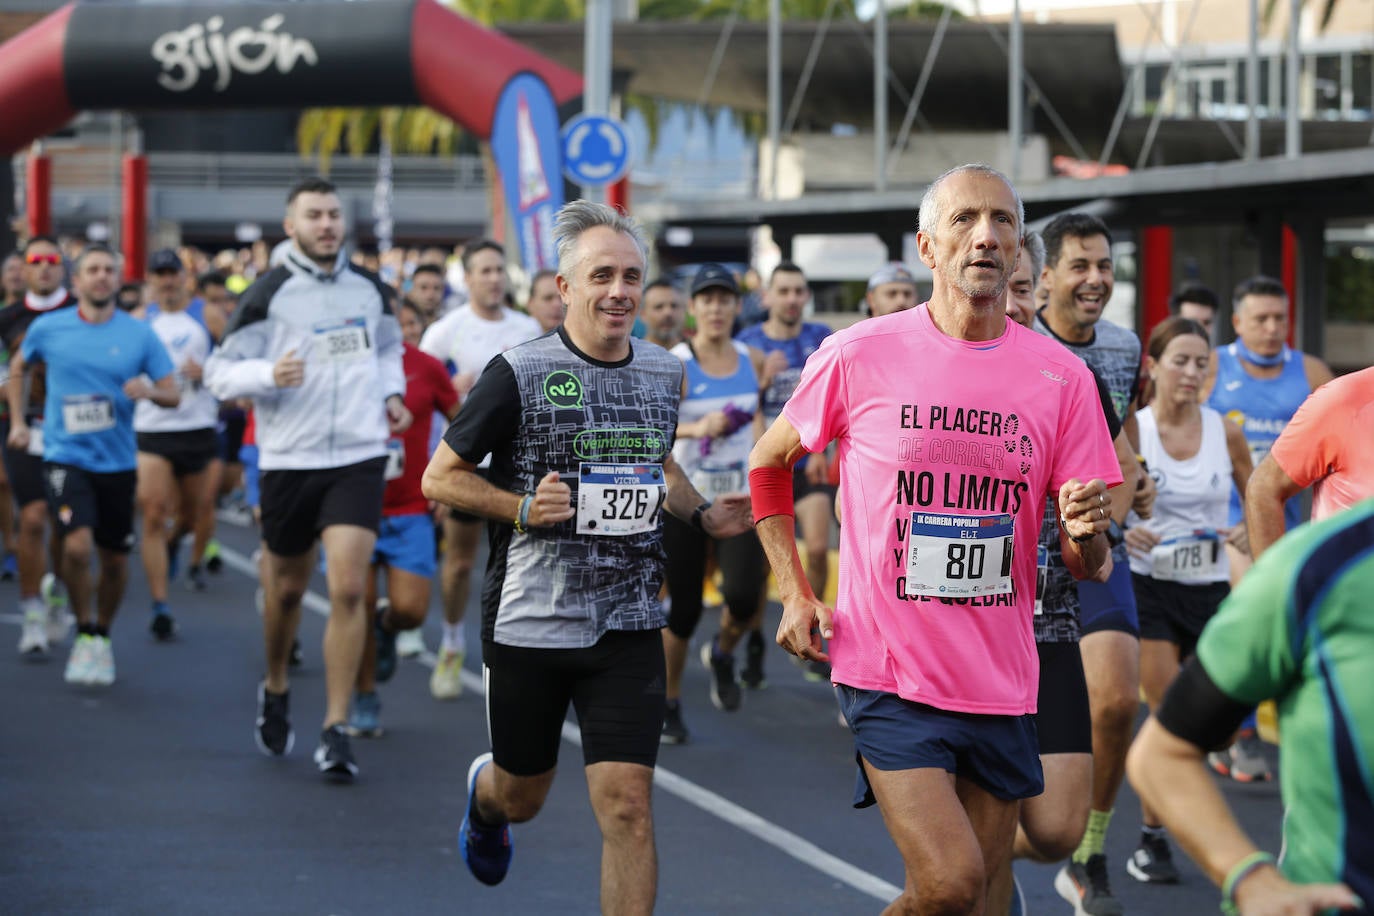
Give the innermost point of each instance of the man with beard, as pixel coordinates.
(314, 343)
(98, 364)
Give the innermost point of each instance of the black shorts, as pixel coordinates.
(616, 687)
(1174, 612)
(298, 504)
(104, 503)
(25, 472)
(189, 451)
(232, 424)
(802, 488)
(1064, 721)
(466, 518)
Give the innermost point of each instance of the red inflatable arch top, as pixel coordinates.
(259, 55)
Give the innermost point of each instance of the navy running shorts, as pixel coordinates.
(999, 753)
(1109, 605)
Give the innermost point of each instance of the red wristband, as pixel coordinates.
(770, 491)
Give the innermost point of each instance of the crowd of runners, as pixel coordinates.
(1040, 522)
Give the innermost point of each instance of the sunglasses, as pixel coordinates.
(53, 259)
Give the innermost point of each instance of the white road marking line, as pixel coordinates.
(779, 838)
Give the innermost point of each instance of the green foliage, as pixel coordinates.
(1350, 287)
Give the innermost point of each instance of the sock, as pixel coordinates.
(1157, 833)
(1094, 837)
(673, 703)
(159, 608)
(454, 640)
(98, 630)
(86, 629)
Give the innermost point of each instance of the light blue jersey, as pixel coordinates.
(88, 420)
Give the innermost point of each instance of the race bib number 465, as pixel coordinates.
(87, 413)
(619, 499)
(954, 556)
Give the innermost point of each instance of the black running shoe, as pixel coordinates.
(334, 756)
(674, 729)
(725, 692)
(751, 675)
(163, 626)
(297, 658)
(195, 579)
(1085, 886)
(386, 647)
(273, 733)
(1153, 862)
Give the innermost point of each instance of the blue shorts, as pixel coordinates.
(248, 457)
(1109, 605)
(1000, 753)
(406, 542)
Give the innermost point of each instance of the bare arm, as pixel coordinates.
(1318, 372)
(453, 481)
(1123, 494)
(1171, 777)
(1239, 451)
(1085, 511)
(780, 447)
(164, 392)
(14, 393)
(1268, 489)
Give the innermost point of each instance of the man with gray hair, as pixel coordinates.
(943, 460)
(579, 424)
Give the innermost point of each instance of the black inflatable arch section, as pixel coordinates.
(201, 55)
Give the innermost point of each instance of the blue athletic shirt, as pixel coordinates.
(1261, 408)
(89, 422)
(796, 349)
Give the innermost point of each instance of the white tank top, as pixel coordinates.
(186, 338)
(1192, 505)
(718, 466)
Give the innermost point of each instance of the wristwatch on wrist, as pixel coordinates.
(1115, 533)
(697, 513)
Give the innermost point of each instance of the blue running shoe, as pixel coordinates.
(9, 568)
(365, 718)
(486, 850)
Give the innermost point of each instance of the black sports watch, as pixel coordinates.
(697, 513)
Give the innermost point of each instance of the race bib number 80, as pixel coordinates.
(953, 556)
(614, 500)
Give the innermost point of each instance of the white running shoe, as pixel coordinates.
(60, 618)
(102, 663)
(410, 643)
(446, 683)
(80, 664)
(33, 638)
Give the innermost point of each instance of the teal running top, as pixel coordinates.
(1300, 629)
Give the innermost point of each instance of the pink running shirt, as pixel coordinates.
(1330, 443)
(952, 434)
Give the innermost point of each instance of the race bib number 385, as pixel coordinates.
(619, 499)
(953, 556)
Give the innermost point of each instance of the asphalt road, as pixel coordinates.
(150, 797)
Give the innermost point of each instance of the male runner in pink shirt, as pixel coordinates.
(952, 425)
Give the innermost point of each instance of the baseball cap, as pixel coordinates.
(164, 259)
(891, 272)
(713, 275)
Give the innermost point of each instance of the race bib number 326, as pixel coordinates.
(954, 556)
(619, 499)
